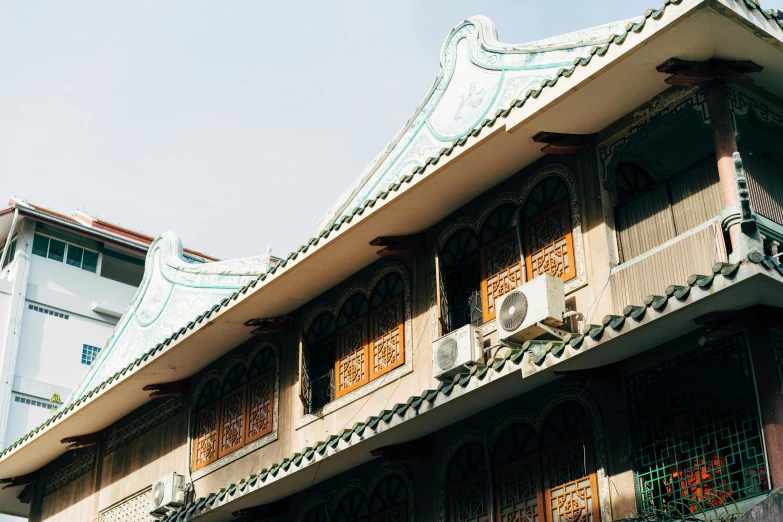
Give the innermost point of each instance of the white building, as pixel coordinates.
(65, 282)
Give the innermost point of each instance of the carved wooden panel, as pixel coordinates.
(571, 493)
(352, 363)
(387, 348)
(260, 404)
(501, 271)
(206, 435)
(549, 247)
(518, 491)
(469, 501)
(232, 422)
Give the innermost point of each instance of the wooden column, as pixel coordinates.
(725, 143)
(768, 386)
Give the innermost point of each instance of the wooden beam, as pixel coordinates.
(268, 325)
(26, 495)
(396, 245)
(168, 389)
(404, 450)
(21, 480)
(558, 143)
(82, 441)
(686, 72)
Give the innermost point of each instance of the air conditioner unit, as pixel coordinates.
(167, 493)
(451, 352)
(533, 309)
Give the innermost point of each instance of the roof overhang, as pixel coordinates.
(592, 97)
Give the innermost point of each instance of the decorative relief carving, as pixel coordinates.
(501, 271)
(70, 472)
(259, 407)
(123, 434)
(518, 199)
(135, 509)
(549, 244)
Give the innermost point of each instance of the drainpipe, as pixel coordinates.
(10, 235)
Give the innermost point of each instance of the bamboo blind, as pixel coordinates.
(692, 254)
(765, 185)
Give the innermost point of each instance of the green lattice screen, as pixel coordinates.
(695, 433)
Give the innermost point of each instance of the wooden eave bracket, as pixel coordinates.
(404, 450)
(26, 495)
(559, 143)
(268, 325)
(721, 324)
(21, 480)
(82, 441)
(396, 245)
(168, 389)
(686, 72)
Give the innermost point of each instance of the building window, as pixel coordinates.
(363, 343)
(69, 253)
(9, 257)
(89, 354)
(695, 434)
(237, 412)
(474, 270)
(388, 502)
(46, 311)
(33, 402)
(548, 477)
(549, 246)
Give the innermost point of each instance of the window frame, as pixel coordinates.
(67, 247)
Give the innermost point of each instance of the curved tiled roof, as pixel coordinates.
(772, 16)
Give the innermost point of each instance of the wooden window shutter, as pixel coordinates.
(387, 348)
(233, 415)
(305, 384)
(441, 300)
(260, 406)
(518, 490)
(352, 362)
(570, 490)
(501, 271)
(205, 439)
(549, 247)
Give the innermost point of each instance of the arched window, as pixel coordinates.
(235, 411)
(387, 343)
(318, 513)
(352, 508)
(318, 358)
(460, 281)
(501, 266)
(567, 457)
(389, 501)
(232, 410)
(517, 473)
(468, 485)
(546, 228)
(260, 395)
(205, 437)
(542, 477)
(351, 367)
(632, 181)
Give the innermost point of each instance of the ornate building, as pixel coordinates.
(635, 166)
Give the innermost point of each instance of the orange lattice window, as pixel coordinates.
(351, 366)
(387, 342)
(501, 271)
(260, 406)
(206, 435)
(232, 422)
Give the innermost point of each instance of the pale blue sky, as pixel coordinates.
(234, 124)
